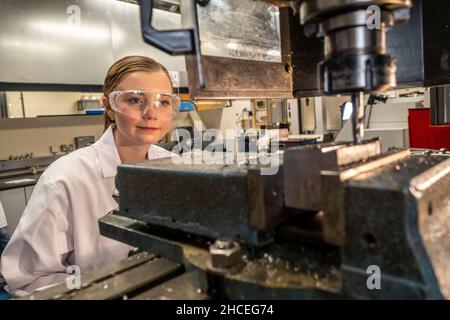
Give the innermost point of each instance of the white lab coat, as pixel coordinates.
(3, 222)
(59, 226)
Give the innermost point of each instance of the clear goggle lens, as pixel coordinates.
(136, 103)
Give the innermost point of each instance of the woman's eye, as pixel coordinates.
(165, 103)
(134, 100)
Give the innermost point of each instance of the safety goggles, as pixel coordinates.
(137, 103)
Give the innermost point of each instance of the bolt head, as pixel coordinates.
(225, 254)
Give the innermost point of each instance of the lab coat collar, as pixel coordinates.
(108, 156)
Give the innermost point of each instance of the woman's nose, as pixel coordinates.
(149, 112)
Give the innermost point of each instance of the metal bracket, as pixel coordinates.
(174, 42)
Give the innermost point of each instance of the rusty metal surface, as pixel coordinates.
(228, 78)
(382, 222)
(333, 194)
(293, 269)
(116, 281)
(279, 3)
(238, 78)
(124, 284)
(389, 223)
(209, 200)
(137, 234)
(389, 210)
(289, 271)
(61, 290)
(431, 190)
(178, 288)
(303, 166)
(191, 198)
(266, 199)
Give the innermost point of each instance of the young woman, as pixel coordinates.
(59, 227)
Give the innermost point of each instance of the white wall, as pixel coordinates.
(393, 114)
(45, 103)
(224, 118)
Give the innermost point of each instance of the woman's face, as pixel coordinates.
(145, 128)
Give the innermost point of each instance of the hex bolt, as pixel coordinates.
(225, 253)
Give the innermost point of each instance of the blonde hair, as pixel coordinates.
(125, 66)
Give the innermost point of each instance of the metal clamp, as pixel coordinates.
(174, 42)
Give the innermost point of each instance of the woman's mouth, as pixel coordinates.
(148, 129)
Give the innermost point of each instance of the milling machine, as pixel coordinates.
(335, 220)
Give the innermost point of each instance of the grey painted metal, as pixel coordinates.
(61, 291)
(210, 200)
(121, 285)
(395, 208)
(280, 269)
(392, 211)
(121, 282)
(178, 288)
(397, 219)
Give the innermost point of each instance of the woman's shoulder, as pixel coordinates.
(72, 166)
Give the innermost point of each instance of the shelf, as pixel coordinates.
(50, 121)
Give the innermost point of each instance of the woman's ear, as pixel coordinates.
(107, 106)
(105, 102)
